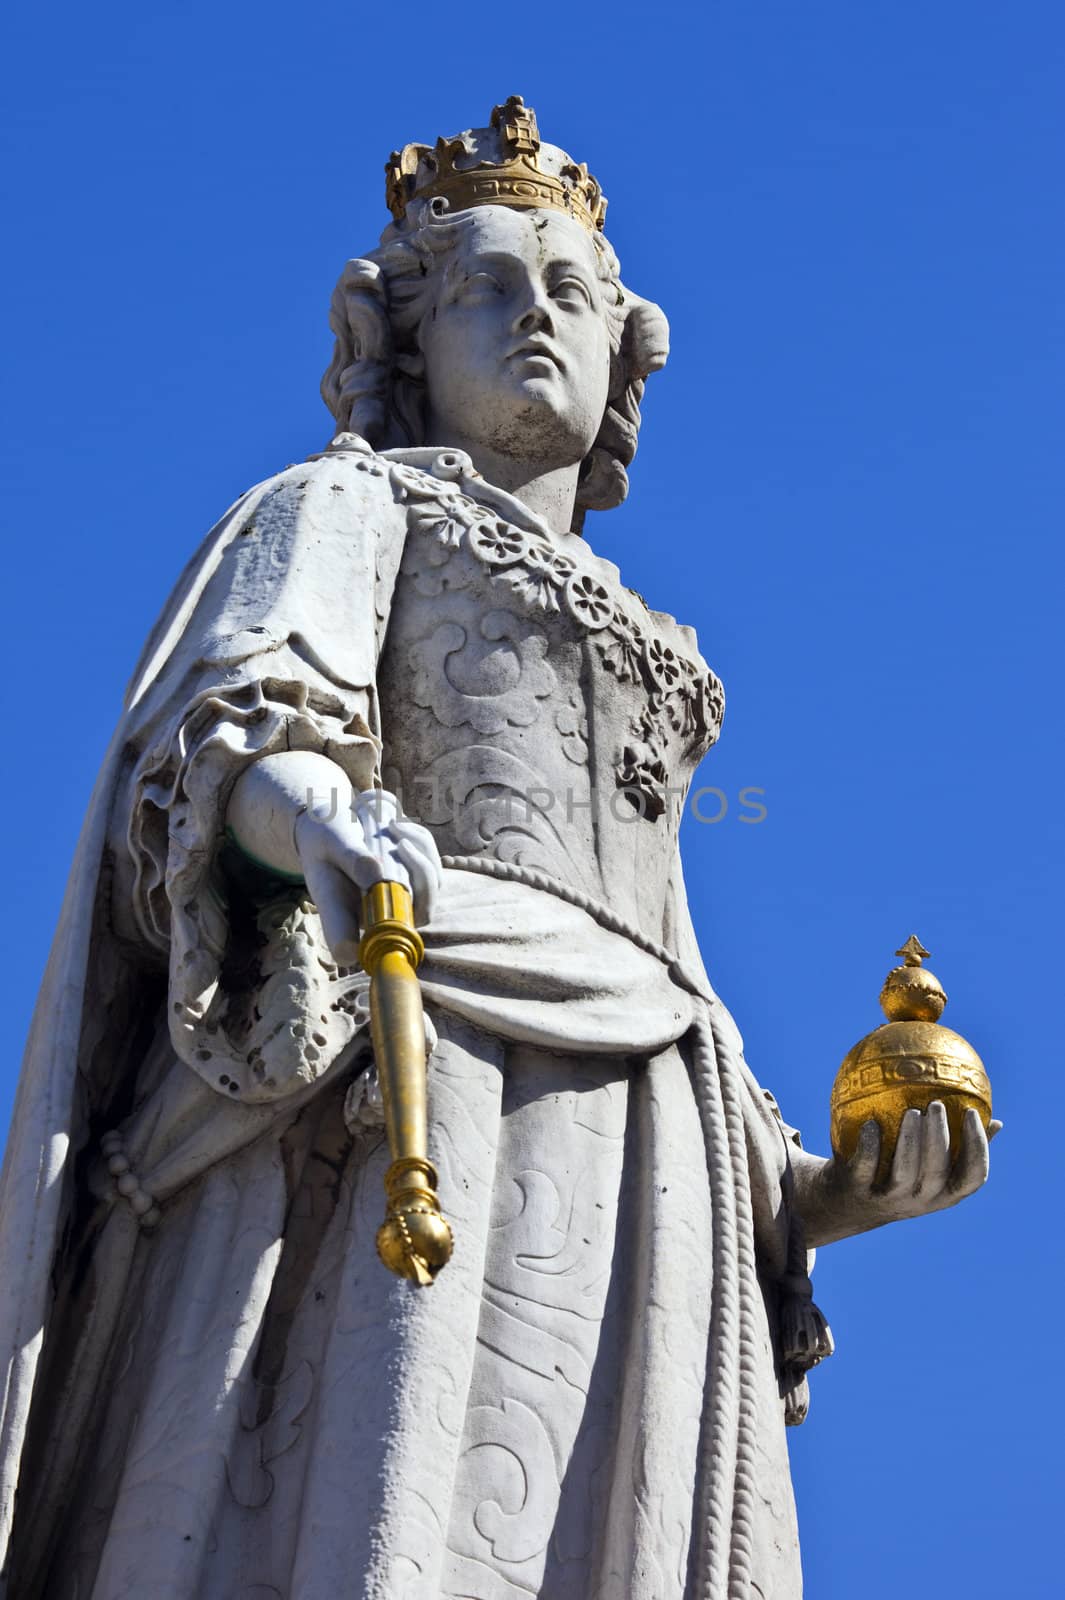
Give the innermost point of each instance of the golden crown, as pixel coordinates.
(519, 171)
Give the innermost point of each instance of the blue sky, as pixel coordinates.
(849, 480)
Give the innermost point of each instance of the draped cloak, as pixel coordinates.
(210, 1386)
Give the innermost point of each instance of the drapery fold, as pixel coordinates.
(568, 1348)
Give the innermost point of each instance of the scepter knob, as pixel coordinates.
(905, 1064)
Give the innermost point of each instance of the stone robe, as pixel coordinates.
(213, 1388)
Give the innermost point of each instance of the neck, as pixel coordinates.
(548, 492)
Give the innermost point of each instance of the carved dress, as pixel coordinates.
(214, 1388)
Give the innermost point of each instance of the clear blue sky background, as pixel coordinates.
(849, 480)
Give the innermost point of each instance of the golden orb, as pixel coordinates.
(905, 1064)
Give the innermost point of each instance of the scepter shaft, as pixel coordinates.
(415, 1239)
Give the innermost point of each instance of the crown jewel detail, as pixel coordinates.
(519, 180)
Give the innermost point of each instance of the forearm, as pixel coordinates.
(296, 814)
(828, 1212)
(272, 794)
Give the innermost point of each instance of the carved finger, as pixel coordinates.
(406, 828)
(335, 896)
(366, 868)
(973, 1163)
(414, 836)
(993, 1127)
(344, 849)
(935, 1151)
(424, 868)
(866, 1158)
(906, 1164)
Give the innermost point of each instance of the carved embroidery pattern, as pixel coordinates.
(682, 698)
(486, 683)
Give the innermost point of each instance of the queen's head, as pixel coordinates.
(492, 317)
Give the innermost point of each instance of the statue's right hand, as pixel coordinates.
(339, 865)
(294, 812)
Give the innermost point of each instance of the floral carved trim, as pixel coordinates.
(683, 698)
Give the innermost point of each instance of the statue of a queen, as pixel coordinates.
(211, 1387)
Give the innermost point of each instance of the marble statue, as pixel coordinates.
(211, 1386)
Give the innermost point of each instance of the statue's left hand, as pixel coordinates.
(842, 1198)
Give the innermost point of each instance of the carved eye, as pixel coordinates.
(479, 286)
(572, 291)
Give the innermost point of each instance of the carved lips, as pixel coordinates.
(538, 350)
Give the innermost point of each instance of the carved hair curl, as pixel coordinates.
(375, 383)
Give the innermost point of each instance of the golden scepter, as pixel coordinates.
(415, 1238)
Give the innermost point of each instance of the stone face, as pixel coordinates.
(231, 1396)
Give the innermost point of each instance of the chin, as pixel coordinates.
(545, 386)
(532, 402)
(534, 415)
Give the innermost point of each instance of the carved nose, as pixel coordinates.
(534, 317)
